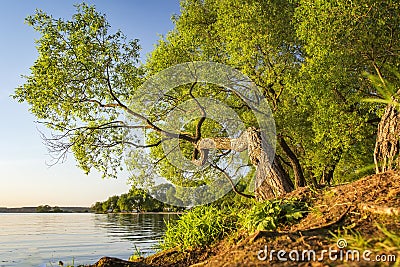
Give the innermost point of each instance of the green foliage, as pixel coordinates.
(44, 208)
(307, 57)
(340, 41)
(199, 227)
(48, 209)
(97, 207)
(252, 36)
(136, 199)
(269, 214)
(387, 92)
(81, 68)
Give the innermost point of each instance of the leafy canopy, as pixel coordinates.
(308, 57)
(82, 74)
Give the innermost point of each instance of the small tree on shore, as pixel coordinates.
(387, 149)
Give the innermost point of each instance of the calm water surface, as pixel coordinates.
(44, 239)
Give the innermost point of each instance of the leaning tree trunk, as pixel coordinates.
(271, 179)
(387, 140)
(294, 162)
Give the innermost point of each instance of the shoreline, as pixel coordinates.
(146, 212)
(89, 212)
(34, 210)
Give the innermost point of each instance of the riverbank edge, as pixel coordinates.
(146, 212)
(339, 207)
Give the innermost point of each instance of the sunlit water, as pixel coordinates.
(44, 239)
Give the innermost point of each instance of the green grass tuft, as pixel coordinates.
(199, 227)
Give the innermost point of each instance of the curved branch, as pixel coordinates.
(151, 125)
(145, 146)
(203, 113)
(58, 146)
(109, 105)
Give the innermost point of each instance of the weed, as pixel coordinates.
(137, 254)
(60, 263)
(316, 211)
(267, 215)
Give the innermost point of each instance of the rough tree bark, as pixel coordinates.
(271, 179)
(387, 140)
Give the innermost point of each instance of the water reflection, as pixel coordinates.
(44, 239)
(143, 230)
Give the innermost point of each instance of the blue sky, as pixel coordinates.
(25, 179)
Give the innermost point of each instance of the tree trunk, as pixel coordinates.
(327, 176)
(271, 179)
(387, 139)
(294, 162)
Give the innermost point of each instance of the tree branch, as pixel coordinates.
(203, 113)
(151, 125)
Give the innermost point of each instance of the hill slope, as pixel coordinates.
(356, 224)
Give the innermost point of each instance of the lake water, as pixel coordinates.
(32, 239)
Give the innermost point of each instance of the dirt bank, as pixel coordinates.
(365, 212)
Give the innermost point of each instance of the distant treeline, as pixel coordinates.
(44, 209)
(136, 200)
(56, 209)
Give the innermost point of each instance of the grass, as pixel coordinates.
(384, 242)
(137, 254)
(202, 226)
(199, 227)
(387, 241)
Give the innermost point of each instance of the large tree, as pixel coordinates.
(80, 86)
(321, 124)
(255, 37)
(307, 58)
